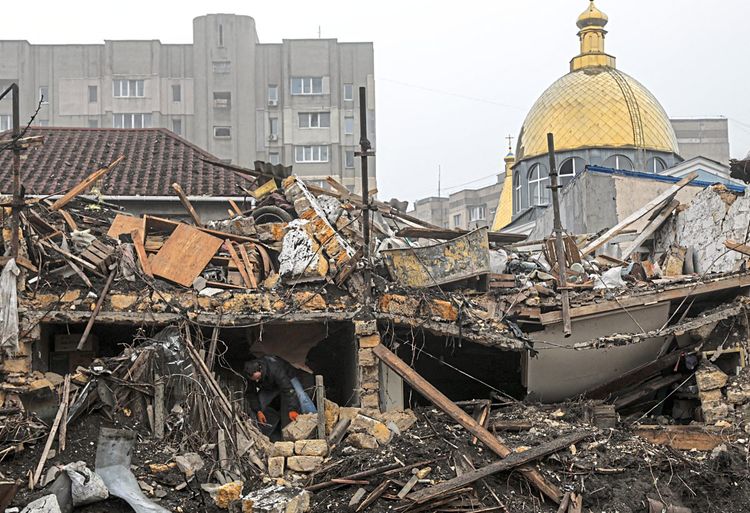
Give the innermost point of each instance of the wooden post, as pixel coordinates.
(158, 407)
(99, 302)
(47, 446)
(441, 401)
(64, 421)
(320, 399)
(221, 443)
(186, 203)
(562, 264)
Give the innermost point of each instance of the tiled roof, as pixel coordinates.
(154, 159)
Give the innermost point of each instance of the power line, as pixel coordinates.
(455, 95)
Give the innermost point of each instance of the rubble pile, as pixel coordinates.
(160, 422)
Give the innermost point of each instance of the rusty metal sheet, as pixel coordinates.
(450, 261)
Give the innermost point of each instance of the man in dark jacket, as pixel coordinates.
(271, 376)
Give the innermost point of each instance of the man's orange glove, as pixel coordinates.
(262, 417)
(293, 415)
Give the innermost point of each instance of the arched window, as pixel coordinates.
(516, 191)
(569, 169)
(655, 165)
(619, 162)
(538, 181)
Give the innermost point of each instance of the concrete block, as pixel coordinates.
(276, 465)
(283, 449)
(362, 441)
(311, 448)
(304, 463)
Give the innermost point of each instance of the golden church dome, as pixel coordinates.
(595, 105)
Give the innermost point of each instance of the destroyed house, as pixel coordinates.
(151, 320)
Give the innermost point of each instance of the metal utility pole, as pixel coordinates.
(364, 146)
(562, 284)
(17, 202)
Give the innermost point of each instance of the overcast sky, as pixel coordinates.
(453, 82)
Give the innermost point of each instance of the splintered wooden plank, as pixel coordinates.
(184, 255)
(124, 224)
(85, 184)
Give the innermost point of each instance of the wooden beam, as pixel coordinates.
(684, 438)
(456, 413)
(645, 209)
(69, 220)
(140, 250)
(514, 460)
(237, 262)
(445, 234)
(61, 440)
(235, 208)
(48, 445)
(186, 203)
(248, 266)
(737, 246)
(99, 302)
(652, 226)
(646, 389)
(85, 184)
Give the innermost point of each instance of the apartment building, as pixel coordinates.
(294, 102)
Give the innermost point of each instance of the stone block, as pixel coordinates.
(714, 412)
(443, 309)
(276, 466)
(403, 419)
(302, 428)
(366, 357)
(738, 395)
(711, 396)
(348, 412)
(362, 441)
(371, 373)
(283, 449)
(370, 400)
(365, 327)
(399, 305)
(227, 493)
(22, 364)
(311, 448)
(303, 463)
(122, 301)
(710, 377)
(276, 499)
(332, 412)
(370, 385)
(310, 301)
(369, 341)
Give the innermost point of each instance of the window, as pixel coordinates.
(655, 165)
(176, 93)
(5, 122)
(314, 119)
(222, 100)
(307, 85)
(311, 154)
(516, 191)
(477, 213)
(273, 94)
(348, 92)
(222, 132)
(127, 88)
(456, 220)
(349, 158)
(93, 123)
(619, 162)
(569, 169)
(538, 192)
(93, 94)
(177, 126)
(348, 125)
(222, 67)
(44, 94)
(273, 158)
(221, 35)
(273, 127)
(131, 120)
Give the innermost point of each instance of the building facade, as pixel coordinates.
(294, 103)
(703, 137)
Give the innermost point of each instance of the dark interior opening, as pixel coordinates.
(461, 370)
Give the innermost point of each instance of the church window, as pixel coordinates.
(516, 192)
(538, 181)
(655, 165)
(569, 169)
(619, 162)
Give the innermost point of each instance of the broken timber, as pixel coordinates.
(87, 182)
(186, 203)
(441, 401)
(512, 461)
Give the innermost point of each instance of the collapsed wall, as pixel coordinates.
(714, 216)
